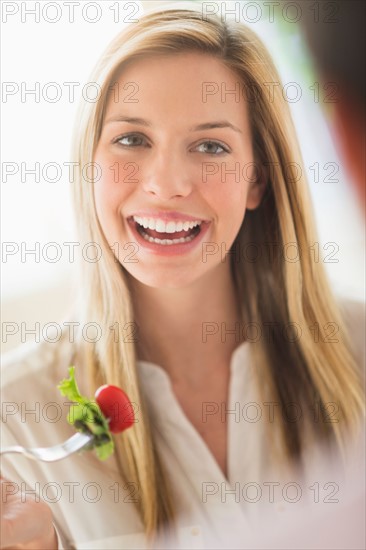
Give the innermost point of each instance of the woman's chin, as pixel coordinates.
(163, 278)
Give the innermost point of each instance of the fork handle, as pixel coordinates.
(13, 449)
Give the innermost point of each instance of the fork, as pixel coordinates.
(75, 443)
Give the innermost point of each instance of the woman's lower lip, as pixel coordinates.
(168, 249)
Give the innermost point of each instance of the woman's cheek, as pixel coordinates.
(106, 204)
(226, 193)
(107, 189)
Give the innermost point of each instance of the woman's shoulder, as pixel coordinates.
(354, 316)
(36, 365)
(354, 310)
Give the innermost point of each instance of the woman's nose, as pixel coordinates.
(167, 176)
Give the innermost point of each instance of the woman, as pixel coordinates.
(170, 146)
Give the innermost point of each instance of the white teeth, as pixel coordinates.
(160, 226)
(167, 241)
(170, 227)
(166, 227)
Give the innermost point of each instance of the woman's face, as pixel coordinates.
(175, 147)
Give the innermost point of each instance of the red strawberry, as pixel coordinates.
(116, 407)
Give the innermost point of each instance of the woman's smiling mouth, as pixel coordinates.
(170, 236)
(167, 232)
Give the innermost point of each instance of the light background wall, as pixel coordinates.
(43, 52)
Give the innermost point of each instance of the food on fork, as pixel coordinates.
(111, 412)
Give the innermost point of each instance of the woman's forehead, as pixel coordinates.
(183, 84)
(199, 65)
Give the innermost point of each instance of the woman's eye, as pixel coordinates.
(130, 140)
(212, 148)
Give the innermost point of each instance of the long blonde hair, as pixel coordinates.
(270, 289)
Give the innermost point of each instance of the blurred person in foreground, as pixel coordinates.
(338, 47)
(338, 50)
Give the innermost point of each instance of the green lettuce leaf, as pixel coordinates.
(69, 388)
(87, 417)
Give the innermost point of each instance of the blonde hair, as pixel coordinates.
(269, 289)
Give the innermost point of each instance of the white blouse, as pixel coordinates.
(94, 509)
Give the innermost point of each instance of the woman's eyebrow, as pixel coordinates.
(219, 124)
(204, 126)
(131, 120)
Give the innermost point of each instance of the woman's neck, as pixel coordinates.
(189, 331)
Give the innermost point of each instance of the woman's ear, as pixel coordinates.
(257, 186)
